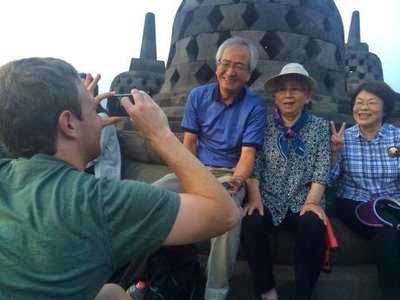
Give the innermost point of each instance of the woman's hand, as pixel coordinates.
(252, 206)
(313, 200)
(337, 140)
(254, 201)
(314, 208)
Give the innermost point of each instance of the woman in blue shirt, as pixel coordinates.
(365, 169)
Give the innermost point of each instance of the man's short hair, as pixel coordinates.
(33, 94)
(239, 41)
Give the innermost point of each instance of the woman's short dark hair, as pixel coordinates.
(379, 89)
(33, 93)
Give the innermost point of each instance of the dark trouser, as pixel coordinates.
(385, 243)
(309, 233)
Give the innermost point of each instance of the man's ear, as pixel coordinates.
(67, 124)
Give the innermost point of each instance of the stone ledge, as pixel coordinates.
(353, 277)
(344, 283)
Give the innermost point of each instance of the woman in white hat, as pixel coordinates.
(368, 167)
(291, 172)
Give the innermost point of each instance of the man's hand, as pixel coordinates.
(90, 84)
(314, 208)
(234, 184)
(106, 120)
(146, 116)
(337, 140)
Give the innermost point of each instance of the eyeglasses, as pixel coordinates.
(290, 89)
(370, 103)
(236, 66)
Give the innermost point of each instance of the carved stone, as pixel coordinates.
(361, 65)
(145, 73)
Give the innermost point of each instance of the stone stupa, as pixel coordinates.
(361, 64)
(145, 73)
(309, 32)
(306, 31)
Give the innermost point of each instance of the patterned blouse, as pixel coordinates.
(285, 183)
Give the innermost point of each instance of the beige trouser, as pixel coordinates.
(224, 248)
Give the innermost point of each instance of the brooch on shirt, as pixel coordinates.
(393, 151)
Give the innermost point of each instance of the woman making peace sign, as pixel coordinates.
(367, 167)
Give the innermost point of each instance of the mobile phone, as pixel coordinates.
(114, 106)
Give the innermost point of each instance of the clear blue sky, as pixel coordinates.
(102, 36)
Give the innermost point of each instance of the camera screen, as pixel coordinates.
(114, 106)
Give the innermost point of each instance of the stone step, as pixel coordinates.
(344, 283)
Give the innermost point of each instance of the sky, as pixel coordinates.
(101, 36)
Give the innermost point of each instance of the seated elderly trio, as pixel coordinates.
(284, 159)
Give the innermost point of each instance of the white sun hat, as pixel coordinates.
(290, 69)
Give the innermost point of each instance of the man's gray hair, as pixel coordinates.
(239, 41)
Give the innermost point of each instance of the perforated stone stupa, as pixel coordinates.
(306, 31)
(145, 73)
(361, 65)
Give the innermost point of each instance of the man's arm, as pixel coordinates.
(206, 209)
(244, 167)
(190, 142)
(253, 136)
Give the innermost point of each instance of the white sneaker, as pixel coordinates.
(270, 295)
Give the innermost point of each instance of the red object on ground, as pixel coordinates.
(331, 243)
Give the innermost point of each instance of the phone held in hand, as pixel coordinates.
(114, 106)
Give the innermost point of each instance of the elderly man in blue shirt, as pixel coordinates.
(223, 126)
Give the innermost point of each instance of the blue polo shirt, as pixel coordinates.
(223, 129)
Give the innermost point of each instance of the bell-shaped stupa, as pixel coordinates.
(307, 31)
(361, 65)
(145, 73)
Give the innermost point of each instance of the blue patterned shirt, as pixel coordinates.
(285, 183)
(364, 170)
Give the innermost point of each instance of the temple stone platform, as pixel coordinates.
(353, 275)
